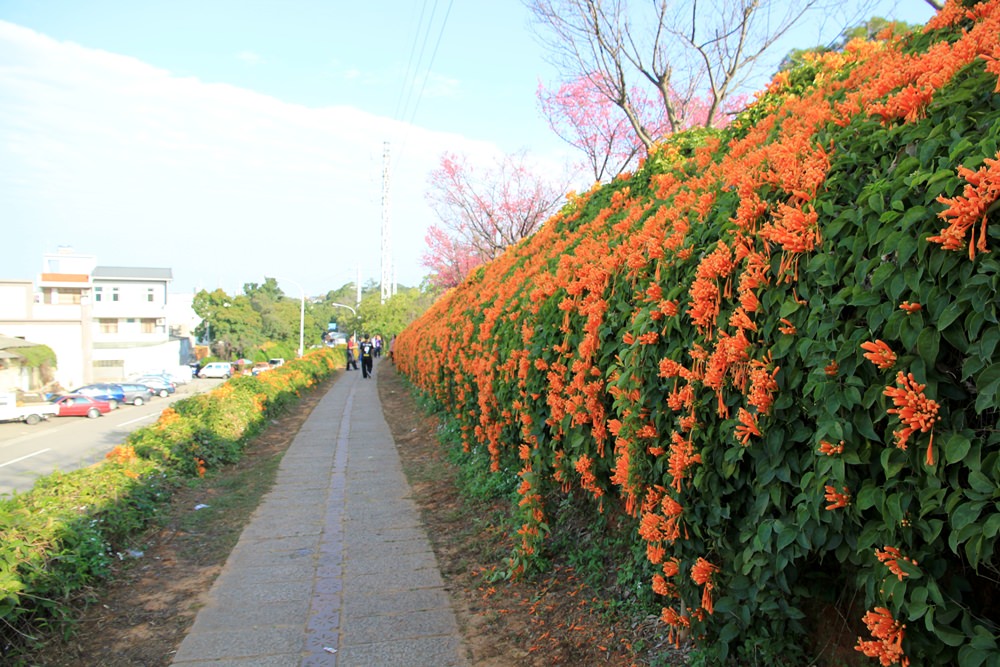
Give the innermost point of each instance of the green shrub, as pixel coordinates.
(60, 537)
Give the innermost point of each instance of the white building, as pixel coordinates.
(104, 323)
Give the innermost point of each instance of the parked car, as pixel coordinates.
(137, 393)
(181, 375)
(260, 367)
(103, 391)
(78, 405)
(157, 384)
(11, 409)
(217, 369)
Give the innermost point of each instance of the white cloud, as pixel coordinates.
(249, 57)
(140, 167)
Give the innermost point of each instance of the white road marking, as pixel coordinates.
(26, 456)
(139, 419)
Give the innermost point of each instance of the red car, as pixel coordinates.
(78, 405)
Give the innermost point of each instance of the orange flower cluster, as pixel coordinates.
(880, 354)
(972, 207)
(830, 449)
(121, 454)
(702, 574)
(521, 355)
(887, 646)
(914, 409)
(837, 499)
(890, 557)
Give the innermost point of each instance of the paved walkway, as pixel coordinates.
(335, 568)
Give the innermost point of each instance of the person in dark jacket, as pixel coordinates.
(367, 357)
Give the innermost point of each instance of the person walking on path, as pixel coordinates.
(367, 357)
(352, 354)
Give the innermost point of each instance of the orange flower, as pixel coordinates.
(891, 556)
(649, 338)
(788, 329)
(910, 307)
(888, 634)
(837, 499)
(972, 207)
(914, 409)
(702, 574)
(831, 368)
(830, 449)
(682, 457)
(747, 427)
(587, 478)
(879, 354)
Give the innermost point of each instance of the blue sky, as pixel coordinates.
(232, 140)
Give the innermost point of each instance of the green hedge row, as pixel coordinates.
(62, 536)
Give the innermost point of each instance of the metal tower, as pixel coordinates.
(386, 233)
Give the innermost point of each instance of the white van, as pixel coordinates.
(217, 369)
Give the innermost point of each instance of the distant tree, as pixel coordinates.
(587, 120)
(484, 212)
(267, 290)
(391, 317)
(231, 323)
(681, 50)
(449, 258)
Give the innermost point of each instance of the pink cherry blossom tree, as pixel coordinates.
(484, 210)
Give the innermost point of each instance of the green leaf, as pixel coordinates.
(987, 384)
(981, 483)
(956, 448)
(949, 636)
(870, 496)
(949, 315)
(927, 345)
(786, 537)
(965, 514)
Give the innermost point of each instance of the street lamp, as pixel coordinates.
(302, 313)
(353, 312)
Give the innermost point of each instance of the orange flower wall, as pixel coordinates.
(766, 353)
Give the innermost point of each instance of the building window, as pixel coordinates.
(148, 325)
(108, 326)
(149, 294)
(114, 293)
(98, 293)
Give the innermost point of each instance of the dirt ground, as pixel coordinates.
(142, 615)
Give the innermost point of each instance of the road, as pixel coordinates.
(68, 443)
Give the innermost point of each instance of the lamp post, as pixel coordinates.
(353, 312)
(302, 313)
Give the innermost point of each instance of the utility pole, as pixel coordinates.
(386, 237)
(357, 300)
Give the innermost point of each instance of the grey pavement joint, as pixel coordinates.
(334, 568)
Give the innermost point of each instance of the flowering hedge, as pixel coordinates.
(774, 347)
(62, 535)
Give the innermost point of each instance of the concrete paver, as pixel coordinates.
(335, 568)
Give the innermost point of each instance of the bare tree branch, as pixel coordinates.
(683, 49)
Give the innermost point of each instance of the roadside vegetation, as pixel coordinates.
(62, 537)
